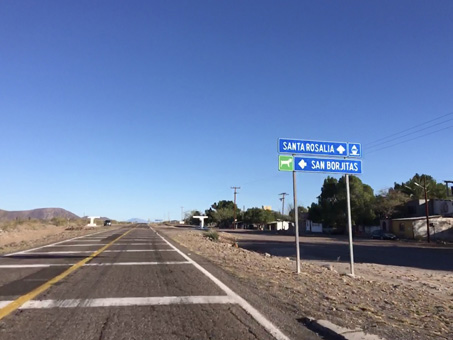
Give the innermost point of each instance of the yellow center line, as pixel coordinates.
(16, 304)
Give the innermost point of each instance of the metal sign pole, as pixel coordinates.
(351, 252)
(296, 223)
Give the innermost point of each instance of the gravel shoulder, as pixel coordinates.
(392, 302)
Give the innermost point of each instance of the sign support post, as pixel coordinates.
(296, 224)
(301, 159)
(351, 251)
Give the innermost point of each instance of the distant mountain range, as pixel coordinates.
(38, 214)
(137, 220)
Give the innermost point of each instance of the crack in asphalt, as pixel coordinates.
(104, 326)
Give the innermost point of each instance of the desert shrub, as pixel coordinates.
(212, 235)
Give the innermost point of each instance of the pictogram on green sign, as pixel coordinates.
(285, 163)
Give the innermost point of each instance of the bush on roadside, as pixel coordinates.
(212, 235)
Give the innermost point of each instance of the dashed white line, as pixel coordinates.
(101, 244)
(46, 265)
(136, 263)
(131, 301)
(91, 251)
(43, 265)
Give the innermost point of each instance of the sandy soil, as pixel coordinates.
(393, 302)
(32, 235)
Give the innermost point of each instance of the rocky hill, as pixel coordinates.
(39, 214)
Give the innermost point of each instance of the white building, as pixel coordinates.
(313, 227)
(278, 225)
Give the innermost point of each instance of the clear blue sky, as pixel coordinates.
(136, 108)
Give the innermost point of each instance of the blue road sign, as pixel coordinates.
(308, 147)
(334, 165)
(354, 150)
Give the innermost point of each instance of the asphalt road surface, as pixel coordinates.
(128, 283)
(333, 248)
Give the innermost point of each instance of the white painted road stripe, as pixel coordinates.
(103, 244)
(46, 265)
(131, 301)
(260, 318)
(75, 245)
(136, 263)
(90, 251)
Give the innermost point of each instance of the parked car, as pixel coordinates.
(107, 222)
(383, 235)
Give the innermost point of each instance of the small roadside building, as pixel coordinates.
(313, 227)
(415, 227)
(278, 225)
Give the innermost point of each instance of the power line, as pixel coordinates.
(408, 134)
(368, 145)
(411, 139)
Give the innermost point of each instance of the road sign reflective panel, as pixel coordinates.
(285, 163)
(354, 150)
(329, 165)
(319, 148)
(298, 146)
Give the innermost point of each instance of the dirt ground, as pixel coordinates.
(389, 301)
(31, 235)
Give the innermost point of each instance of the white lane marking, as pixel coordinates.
(131, 301)
(136, 263)
(4, 303)
(75, 245)
(71, 239)
(86, 240)
(46, 265)
(102, 244)
(141, 238)
(143, 241)
(260, 318)
(91, 251)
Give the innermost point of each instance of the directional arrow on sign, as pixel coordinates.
(341, 149)
(302, 164)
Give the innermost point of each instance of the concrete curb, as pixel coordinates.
(334, 332)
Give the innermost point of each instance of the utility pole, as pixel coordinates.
(182, 213)
(448, 189)
(235, 193)
(426, 206)
(426, 209)
(283, 194)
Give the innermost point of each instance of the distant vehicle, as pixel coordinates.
(383, 235)
(107, 222)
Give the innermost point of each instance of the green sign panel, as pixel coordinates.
(285, 163)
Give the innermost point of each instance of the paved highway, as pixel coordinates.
(333, 248)
(128, 283)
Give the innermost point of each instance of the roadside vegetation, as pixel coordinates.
(211, 235)
(367, 207)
